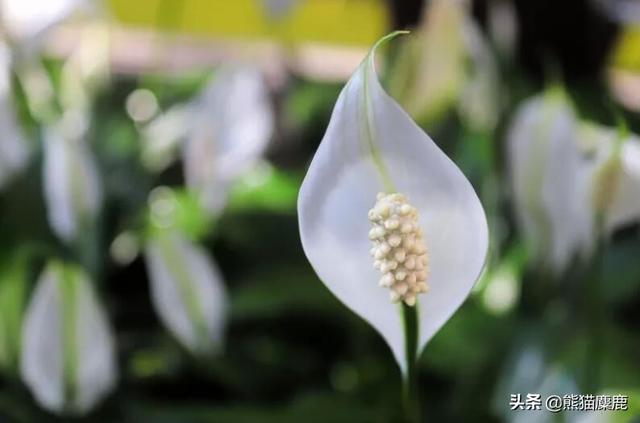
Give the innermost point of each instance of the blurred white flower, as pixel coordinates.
(26, 21)
(549, 179)
(87, 69)
(14, 150)
(567, 177)
(615, 177)
(448, 63)
(229, 129)
(162, 137)
(68, 353)
(187, 291)
(73, 191)
(429, 224)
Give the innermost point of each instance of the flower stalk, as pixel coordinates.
(410, 390)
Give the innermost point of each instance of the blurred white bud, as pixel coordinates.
(447, 63)
(503, 25)
(142, 105)
(68, 353)
(229, 129)
(124, 248)
(73, 192)
(502, 291)
(187, 291)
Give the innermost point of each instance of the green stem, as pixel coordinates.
(410, 382)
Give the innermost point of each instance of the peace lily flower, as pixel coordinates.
(73, 192)
(615, 174)
(385, 217)
(68, 353)
(187, 291)
(449, 62)
(549, 179)
(567, 178)
(230, 127)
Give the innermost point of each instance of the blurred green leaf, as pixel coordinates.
(265, 188)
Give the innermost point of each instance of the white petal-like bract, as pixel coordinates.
(68, 352)
(26, 20)
(14, 151)
(187, 291)
(73, 192)
(372, 146)
(549, 181)
(615, 166)
(230, 127)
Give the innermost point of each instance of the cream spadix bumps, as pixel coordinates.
(398, 249)
(357, 240)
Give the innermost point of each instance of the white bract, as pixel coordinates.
(73, 191)
(448, 63)
(377, 175)
(68, 353)
(615, 174)
(549, 181)
(567, 178)
(14, 151)
(229, 129)
(25, 21)
(187, 291)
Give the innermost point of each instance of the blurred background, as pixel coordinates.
(150, 158)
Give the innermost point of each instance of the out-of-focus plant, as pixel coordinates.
(615, 180)
(14, 150)
(27, 22)
(447, 64)
(222, 133)
(572, 184)
(68, 353)
(187, 290)
(232, 123)
(385, 217)
(72, 184)
(13, 290)
(503, 26)
(549, 181)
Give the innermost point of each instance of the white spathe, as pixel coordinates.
(565, 175)
(230, 127)
(72, 187)
(623, 190)
(187, 291)
(370, 145)
(26, 20)
(549, 181)
(14, 150)
(44, 350)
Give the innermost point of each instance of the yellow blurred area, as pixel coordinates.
(626, 54)
(351, 22)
